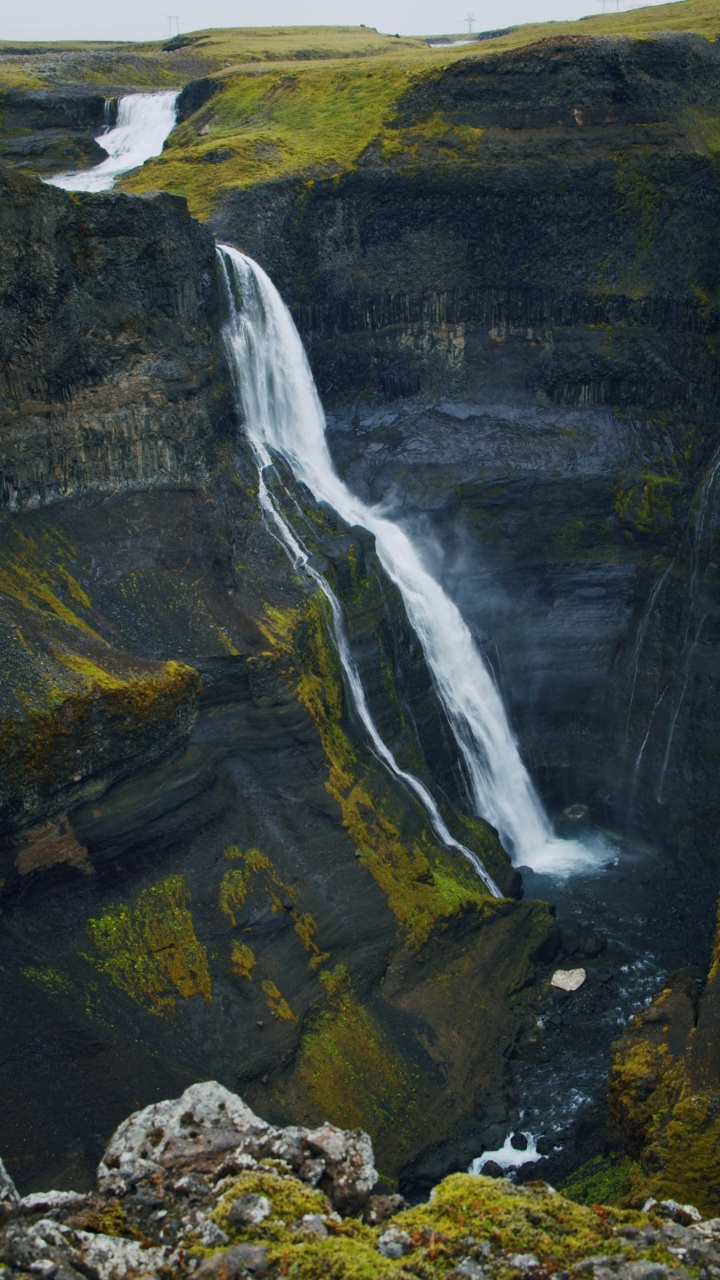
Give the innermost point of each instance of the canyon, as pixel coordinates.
(509, 301)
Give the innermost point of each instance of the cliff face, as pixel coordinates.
(47, 130)
(511, 308)
(205, 870)
(109, 322)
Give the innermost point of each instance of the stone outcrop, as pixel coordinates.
(110, 345)
(47, 130)
(290, 1202)
(209, 1128)
(664, 1092)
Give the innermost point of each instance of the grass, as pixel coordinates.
(699, 16)
(271, 120)
(302, 100)
(171, 63)
(278, 122)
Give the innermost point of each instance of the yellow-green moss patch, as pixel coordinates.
(150, 949)
(276, 1002)
(533, 1220)
(242, 959)
(289, 1199)
(51, 980)
(349, 1072)
(419, 892)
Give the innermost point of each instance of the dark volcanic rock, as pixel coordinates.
(49, 130)
(110, 347)
(206, 871)
(519, 352)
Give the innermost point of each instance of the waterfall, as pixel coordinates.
(283, 416)
(144, 121)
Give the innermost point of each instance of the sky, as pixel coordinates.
(148, 20)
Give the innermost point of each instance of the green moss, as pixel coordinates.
(289, 1198)
(150, 949)
(682, 1156)
(257, 875)
(276, 1002)
(663, 1093)
(306, 927)
(406, 871)
(347, 1070)
(602, 1180)
(39, 749)
(52, 980)
(715, 958)
(649, 503)
(34, 572)
(242, 959)
(639, 1086)
(344, 1258)
(530, 1219)
(232, 892)
(110, 1220)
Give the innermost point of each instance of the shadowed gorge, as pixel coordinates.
(251, 830)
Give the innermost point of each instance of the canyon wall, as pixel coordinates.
(512, 315)
(205, 870)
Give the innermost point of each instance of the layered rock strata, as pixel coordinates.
(206, 871)
(511, 307)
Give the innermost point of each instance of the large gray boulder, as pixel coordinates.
(209, 1129)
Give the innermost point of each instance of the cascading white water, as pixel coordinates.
(283, 415)
(144, 121)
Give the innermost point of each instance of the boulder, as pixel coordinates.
(568, 979)
(209, 1129)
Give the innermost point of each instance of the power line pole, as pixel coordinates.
(469, 18)
(173, 22)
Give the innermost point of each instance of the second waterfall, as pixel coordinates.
(283, 417)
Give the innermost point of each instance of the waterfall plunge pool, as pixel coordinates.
(644, 915)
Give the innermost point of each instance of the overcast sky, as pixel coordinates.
(147, 19)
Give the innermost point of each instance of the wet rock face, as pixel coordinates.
(48, 130)
(516, 359)
(109, 335)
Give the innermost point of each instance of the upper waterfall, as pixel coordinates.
(144, 121)
(283, 415)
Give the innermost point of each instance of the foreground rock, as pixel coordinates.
(209, 1129)
(200, 1185)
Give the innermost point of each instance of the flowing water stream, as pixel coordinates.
(144, 121)
(283, 417)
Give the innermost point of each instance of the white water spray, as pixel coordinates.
(144, 121)
(283, 415)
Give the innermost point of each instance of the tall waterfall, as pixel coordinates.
(283, 416)
(144, 121)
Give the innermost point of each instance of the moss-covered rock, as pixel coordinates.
(665, 1094)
